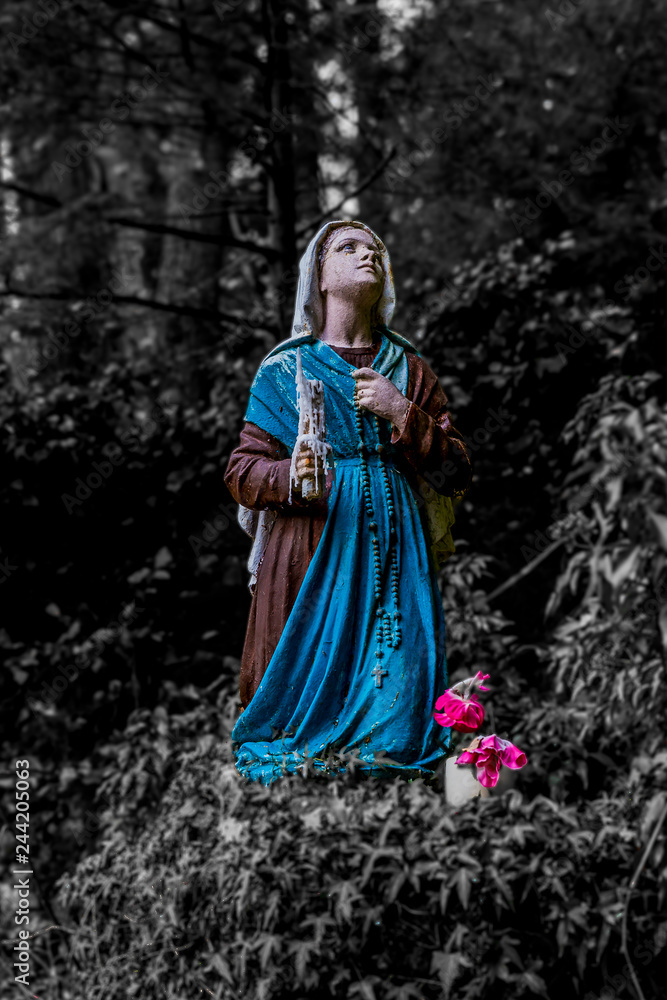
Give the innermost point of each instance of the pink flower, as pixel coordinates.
(459, 707)
(466, 715)
(488, 753)
(477, 680)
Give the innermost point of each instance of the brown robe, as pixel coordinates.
(258, 475)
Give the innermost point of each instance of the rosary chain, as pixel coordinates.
(388, 629)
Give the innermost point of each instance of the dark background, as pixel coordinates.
(163, 167)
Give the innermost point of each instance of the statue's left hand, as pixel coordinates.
(379, 395)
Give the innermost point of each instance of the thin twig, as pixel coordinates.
(626, 908)
(178, 310)
(526, 569)
(150, 227)
(352, 194)
(52, 927)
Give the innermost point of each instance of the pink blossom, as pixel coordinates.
(488, 753)
(459, 706)
(464, 715)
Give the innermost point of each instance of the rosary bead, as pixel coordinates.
(383, 631)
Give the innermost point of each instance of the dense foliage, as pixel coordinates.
(134, 310)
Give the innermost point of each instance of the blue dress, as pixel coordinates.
(321, 689)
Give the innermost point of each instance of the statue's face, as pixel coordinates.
(351, 267)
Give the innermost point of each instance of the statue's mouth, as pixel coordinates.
(369, 267)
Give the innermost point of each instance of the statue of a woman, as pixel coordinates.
(345, 647)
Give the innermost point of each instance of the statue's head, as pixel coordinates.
(347, 260)
(349, 263)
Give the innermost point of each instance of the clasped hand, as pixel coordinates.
(379, 395)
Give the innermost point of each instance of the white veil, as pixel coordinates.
(309, 305)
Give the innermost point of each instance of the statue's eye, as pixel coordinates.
(348, 246)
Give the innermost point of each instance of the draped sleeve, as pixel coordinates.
(258, 475)
(429, 443)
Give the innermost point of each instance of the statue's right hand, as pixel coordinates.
(305, 465)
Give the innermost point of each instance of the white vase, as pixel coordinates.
(461, 785)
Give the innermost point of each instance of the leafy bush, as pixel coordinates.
(338, 888)
(115, 587)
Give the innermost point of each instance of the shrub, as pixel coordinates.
(334, 887)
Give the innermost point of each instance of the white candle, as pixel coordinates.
(312, 430)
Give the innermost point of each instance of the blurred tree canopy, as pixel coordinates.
(256, 121)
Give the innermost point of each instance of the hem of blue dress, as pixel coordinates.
(268, 771)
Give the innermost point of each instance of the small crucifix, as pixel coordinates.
(377, 672)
